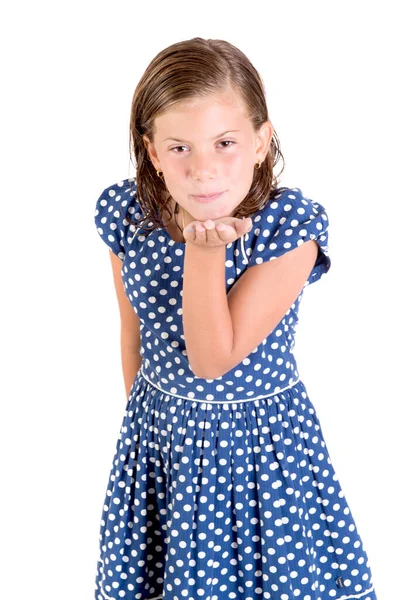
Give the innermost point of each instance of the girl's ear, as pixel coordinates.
(146, 142)
(264, 137)
(151, 151)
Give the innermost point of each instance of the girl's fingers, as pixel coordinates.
(212, 234)
(209, 232)
(222, 232)
(200, 232)
(190, 232)
(226, 233)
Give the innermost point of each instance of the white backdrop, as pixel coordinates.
(70, 70)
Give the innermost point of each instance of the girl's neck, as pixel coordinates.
(170, 224)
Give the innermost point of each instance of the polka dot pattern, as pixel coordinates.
(286, 223)
(221, 488)
(152, 271)
(229, 500)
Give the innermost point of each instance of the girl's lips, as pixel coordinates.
(208, 198)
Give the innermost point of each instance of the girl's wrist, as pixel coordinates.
(206, 249)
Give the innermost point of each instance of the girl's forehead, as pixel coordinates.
(211, 115)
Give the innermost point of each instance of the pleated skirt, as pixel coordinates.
(218, 501)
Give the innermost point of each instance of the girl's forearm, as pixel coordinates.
(207, 323)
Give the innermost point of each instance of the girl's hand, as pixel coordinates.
(219, 232)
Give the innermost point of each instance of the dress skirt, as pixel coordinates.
(229, 500)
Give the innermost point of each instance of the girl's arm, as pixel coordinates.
(222, 329)
(130, 327)
(207, 323)
(131, 362)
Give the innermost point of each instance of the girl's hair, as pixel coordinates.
(192, 69)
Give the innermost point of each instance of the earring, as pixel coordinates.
(258, 165)
(159, 173)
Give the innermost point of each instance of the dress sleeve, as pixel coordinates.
(114, 203)
(287, 221)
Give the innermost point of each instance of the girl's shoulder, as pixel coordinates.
(289, 219)
(114, 204)
(285, 201)
(122, 192)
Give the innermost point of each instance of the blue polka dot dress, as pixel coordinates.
(221, 488)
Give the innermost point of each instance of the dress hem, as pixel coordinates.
(353, 597)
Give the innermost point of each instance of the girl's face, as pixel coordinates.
(207, 146)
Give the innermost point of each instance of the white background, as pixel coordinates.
(69, 73)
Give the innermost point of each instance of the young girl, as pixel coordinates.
(222, 485)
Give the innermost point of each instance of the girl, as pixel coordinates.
(221, 486)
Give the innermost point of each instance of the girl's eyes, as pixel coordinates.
(223, 142)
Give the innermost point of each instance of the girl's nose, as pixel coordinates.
(202, 168)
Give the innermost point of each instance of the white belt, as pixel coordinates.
(219, 401)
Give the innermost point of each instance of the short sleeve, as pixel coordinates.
(287, 221)
(112, 206)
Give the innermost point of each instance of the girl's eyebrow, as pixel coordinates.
(214, 138)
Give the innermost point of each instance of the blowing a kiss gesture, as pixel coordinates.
(217, 232)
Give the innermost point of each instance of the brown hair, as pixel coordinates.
(185, 70)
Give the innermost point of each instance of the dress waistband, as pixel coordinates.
(219, 401)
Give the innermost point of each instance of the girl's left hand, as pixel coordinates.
(218, 232)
